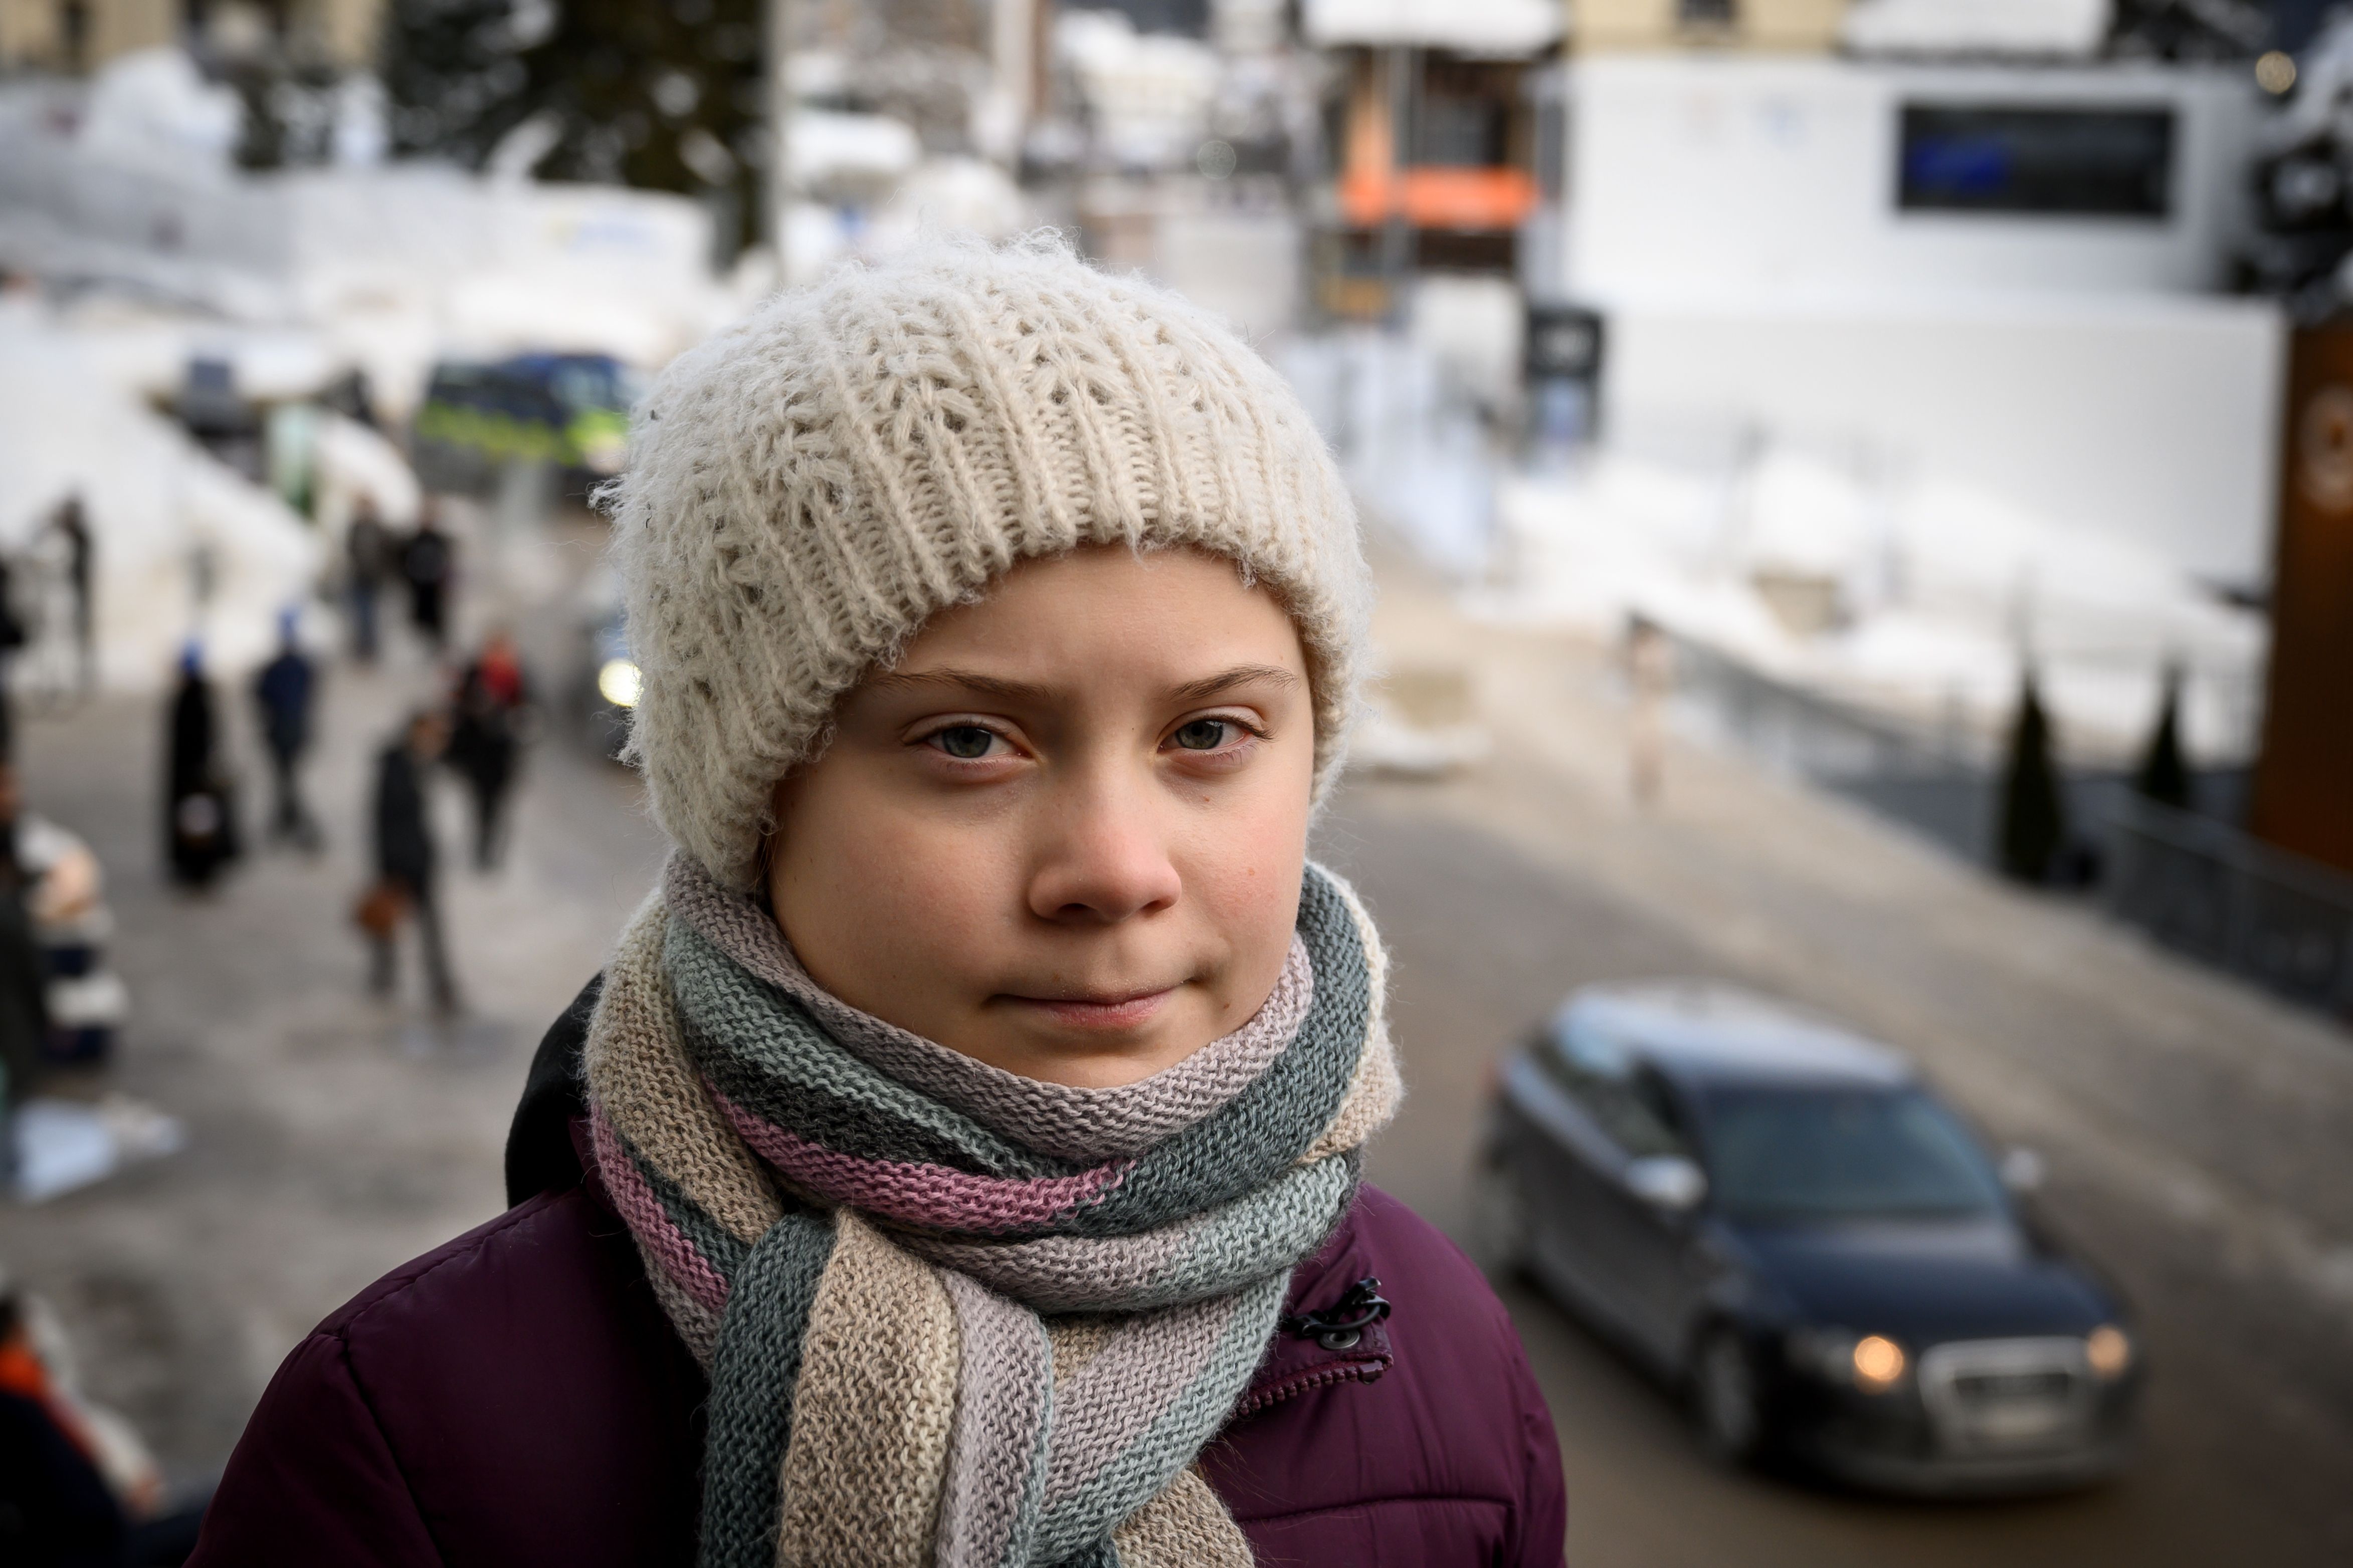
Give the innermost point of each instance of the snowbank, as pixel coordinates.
(1148, 93)
(2073, 28)
(128, 180)
(1916, 596)
(185, 546)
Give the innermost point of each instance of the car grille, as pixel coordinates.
(2005, 1395)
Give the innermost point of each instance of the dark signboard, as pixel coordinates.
(2053, 161)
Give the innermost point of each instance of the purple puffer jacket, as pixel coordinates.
(517, 1397)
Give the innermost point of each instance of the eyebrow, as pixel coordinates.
(1218, 684)
(1201, 691)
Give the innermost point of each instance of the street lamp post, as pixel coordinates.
(776, 192)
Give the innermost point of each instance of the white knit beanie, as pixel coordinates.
(809, 487)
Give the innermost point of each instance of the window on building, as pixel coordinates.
(1991, 158)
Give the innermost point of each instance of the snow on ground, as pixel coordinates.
(1849, 573)
(155, 254)
(125, 183)
(1914, 595)
(186, 547)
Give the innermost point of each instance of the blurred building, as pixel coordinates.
(2003, 259)
(1708, 24)
(77, 36)
(1433, 143)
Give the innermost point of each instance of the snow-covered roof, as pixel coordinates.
(1470, 27)
(2074, 28)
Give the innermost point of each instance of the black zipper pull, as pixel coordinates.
(1341, 1326)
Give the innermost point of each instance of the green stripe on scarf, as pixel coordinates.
(752, 1378)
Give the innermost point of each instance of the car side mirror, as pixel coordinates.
(2022, 1170)
(1667, 1181)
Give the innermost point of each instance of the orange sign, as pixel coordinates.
(1440, 197)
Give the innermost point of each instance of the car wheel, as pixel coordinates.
(1724, 1394)
(1498, 1220)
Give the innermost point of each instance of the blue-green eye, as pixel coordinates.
(1202, 735)
(965, 741)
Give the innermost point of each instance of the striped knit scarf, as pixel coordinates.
(951, 1315)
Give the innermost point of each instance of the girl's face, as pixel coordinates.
(1065, 833)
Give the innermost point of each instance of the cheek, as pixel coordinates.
(1245, 866)
(874, 895)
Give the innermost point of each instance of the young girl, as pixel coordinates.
(958, 1162)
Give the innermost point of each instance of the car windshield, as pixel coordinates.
(1791, 1153)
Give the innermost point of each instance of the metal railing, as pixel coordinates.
(2204, 888)
(2198, 884)
(1807, 732)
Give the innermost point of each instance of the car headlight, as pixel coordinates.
(2108, 1351)
(1879, 1363)
(619, 683)
(1873, 1363)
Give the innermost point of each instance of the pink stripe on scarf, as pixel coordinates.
(911, 1194)
(652, 1222)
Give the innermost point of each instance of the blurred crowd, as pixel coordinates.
(59, 1001)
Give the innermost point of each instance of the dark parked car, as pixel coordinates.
(1776, 1216)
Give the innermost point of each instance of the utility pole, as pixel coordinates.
(1013, 54)
(777, 185)
(1396, 227)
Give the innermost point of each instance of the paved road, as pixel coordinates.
(1483, 943)
(2201, 1138)
(329, 1137)
(332, 1138)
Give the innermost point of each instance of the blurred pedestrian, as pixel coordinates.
(81, 561)
(429, 561)
(405, 855)
(59, 1508)
(367, 550)
(24, 982)
(493, 717)
(52, 874)
(1650, 682)
(199, 811)
(13, 635)
(77, 1486)
(283, 692)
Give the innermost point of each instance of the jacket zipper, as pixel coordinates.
(1347, 1372)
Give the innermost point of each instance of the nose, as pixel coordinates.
(1105, 856)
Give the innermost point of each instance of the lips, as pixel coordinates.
(1115, 1012)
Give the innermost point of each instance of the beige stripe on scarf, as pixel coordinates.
(1187, 1526)
(640, 1075)
(871, 1414)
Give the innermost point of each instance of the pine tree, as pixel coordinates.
(2033, 812)
(454, 76)
(2164, 775)
(659, 94)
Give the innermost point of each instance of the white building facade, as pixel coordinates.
(2008, 275)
